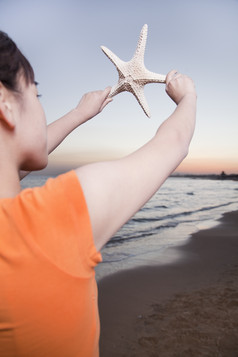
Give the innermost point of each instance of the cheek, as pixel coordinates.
(41, 121)
(40, 130)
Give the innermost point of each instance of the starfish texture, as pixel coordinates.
(133, 75)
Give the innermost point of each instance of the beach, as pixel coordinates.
(185, 308)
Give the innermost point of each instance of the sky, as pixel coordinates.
(62, 39)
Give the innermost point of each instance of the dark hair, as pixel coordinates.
(12, 64)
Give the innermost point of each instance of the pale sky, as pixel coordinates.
(62, 40)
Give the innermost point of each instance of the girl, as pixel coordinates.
(51, 236)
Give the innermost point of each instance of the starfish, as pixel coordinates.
(133, 75)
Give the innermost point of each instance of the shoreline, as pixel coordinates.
(142, 309)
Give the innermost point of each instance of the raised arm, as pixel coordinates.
(116, 190)
(90, 105)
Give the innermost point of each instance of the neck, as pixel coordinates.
(9, 165)
(10, 183)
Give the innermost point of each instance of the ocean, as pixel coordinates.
(181, 207)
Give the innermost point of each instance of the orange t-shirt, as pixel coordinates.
(48, 292)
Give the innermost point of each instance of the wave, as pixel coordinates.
(180, 214)
(167, 222)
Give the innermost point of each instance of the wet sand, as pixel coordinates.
(188, 308)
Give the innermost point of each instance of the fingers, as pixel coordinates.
(178, 85)
(172, 75)
(106, 100)
(107, 91)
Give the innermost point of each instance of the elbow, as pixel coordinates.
(182, 150)
(175, 140)
(185, 152)
(178, 136)
(181, 141)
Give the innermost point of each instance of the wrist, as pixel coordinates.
(77, 116)
(191, 96)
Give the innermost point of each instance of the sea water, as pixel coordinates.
(181, 207)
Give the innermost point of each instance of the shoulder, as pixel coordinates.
(58, 197)
(65, 187)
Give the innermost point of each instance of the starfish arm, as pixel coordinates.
(119, 64)
(147, 76)
(140, 49)
(155, 77)
(138, 92)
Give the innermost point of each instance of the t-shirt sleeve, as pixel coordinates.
(55, 218)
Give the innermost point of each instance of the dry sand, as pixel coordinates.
(189, 308)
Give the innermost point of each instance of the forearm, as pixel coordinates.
(61, 128)
(179, 127)
(89, 106)
(156, 160)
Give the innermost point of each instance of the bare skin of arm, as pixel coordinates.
(58, 130)
(116, 190)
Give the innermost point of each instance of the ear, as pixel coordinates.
(6, 114)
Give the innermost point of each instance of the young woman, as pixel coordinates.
(51, 236)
